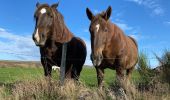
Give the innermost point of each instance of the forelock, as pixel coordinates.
(41, 9)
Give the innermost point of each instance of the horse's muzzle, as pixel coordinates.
(39, 43)
(96, 60)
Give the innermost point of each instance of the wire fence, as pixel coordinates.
(39, 56)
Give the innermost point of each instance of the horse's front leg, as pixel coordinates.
(131, 87)
(47, 67)
(121, 81)
(128, 75)
(120, 76)
(100, 77)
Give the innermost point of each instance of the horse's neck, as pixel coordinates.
(62, 34)
(118, 37)
(68, 34)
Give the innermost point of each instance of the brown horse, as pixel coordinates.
(50, 34)
(111, 48)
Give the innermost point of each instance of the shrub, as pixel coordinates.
(145, 71)
(165, 67)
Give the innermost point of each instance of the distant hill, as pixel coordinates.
(6, 63)
(25, 64)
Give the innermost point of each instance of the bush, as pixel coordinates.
(144, 69)
(165, 67)
(154, 80)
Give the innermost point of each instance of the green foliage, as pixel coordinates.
(165, 66)
(144, 69)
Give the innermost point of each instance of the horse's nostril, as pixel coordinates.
(100, 57)
(33, 36)
(43, 35)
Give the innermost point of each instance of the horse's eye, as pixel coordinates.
(51, 15)
(105, 30)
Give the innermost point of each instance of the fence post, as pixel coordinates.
(63, 63)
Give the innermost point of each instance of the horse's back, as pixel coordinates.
(81, 46)
(133, 50)
(134, 41)
(77, 49)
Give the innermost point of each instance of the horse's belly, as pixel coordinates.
(108, 64)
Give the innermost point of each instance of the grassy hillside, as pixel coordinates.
(6, 63)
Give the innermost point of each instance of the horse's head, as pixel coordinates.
(44, 17)
(99, 30)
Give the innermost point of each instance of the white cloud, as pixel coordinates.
(17, 46)
(158, 11)
(2, 30)
(135, 36)
(167, 22)
(151, 4)
(124, 26)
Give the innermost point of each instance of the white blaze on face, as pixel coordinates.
(97, 27)
(43, 10)
(37, 37)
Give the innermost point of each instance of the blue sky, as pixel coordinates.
(148, 21)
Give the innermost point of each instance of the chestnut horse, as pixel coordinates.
(111, 48)
(50, 34)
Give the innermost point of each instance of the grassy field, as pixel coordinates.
(25, 80)
(28, 83)
(88, 75)
(11, 76)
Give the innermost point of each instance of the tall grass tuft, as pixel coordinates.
(165, 67)
(45, 90)
(150, 87)
(145, 71)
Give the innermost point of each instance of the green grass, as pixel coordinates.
(12, 75)
(89, 77)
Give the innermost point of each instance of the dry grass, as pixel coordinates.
(43, 90)
(158, 91)
(1, 92)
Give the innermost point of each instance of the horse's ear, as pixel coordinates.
(89, 14)
(108, 13)
(55, 5)
(37, 4)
